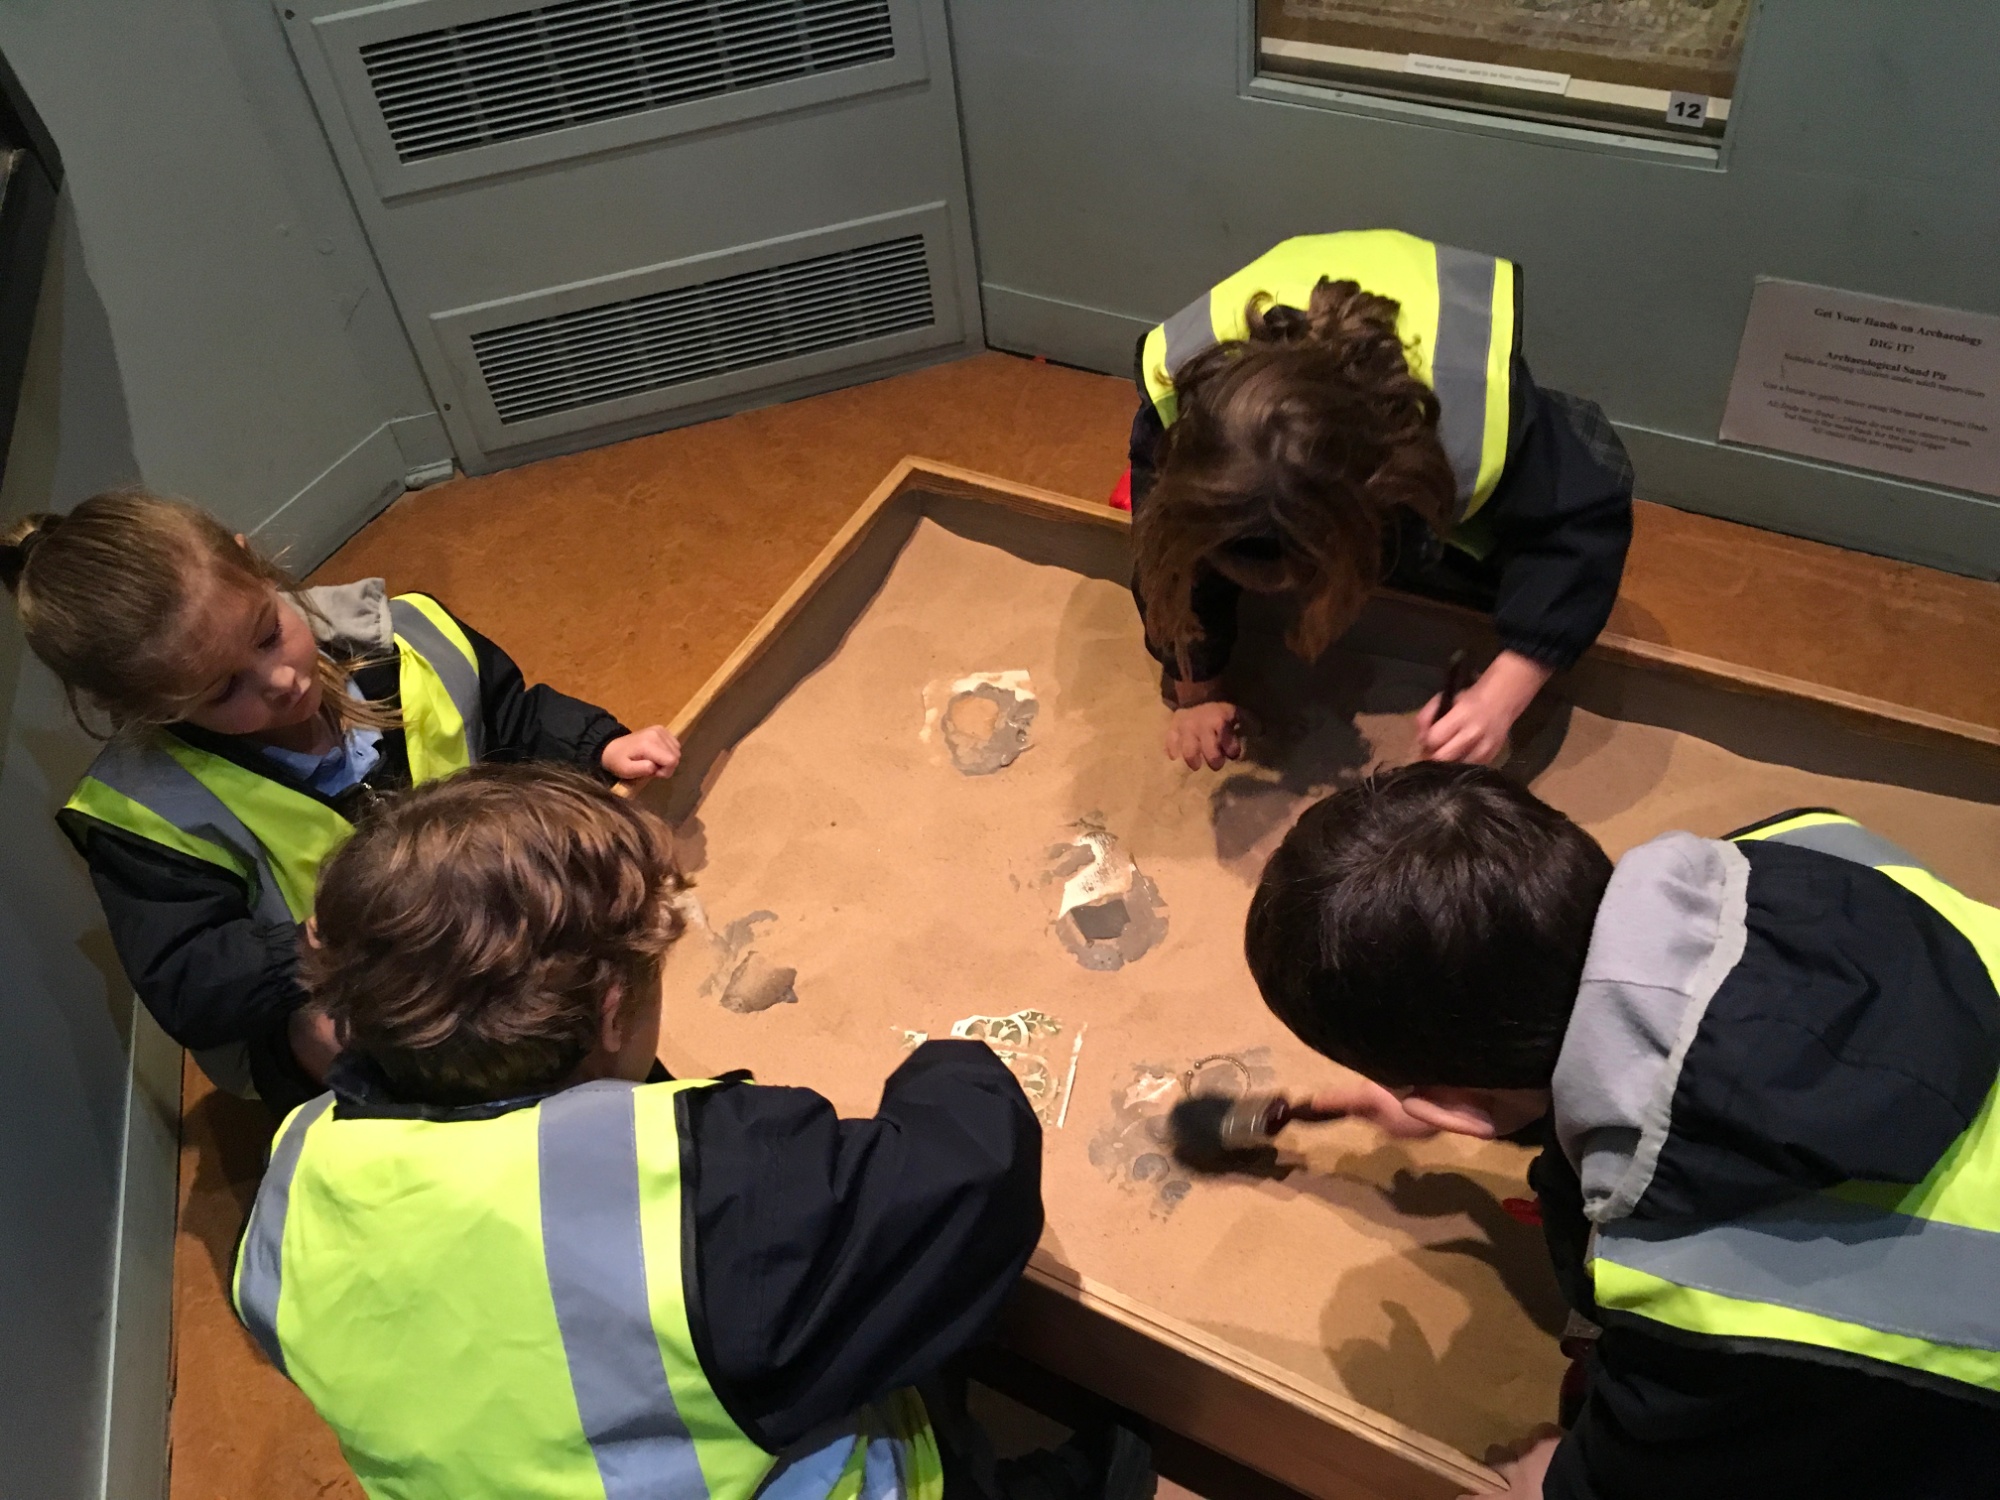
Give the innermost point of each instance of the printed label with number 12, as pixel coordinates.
(1687, 109)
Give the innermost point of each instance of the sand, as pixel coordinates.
(841, 845)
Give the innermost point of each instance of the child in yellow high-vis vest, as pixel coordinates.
(509, 1255)
(1762, 1069)
(248, 720)
(1349, 409)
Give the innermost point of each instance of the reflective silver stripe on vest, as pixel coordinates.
(261, 1269)
(460, 677)
(1189, 331)
(1458, 363)
(156, 781)
(589, 1153)
(811, 1470)
(1922, 1278)
(1848, 841)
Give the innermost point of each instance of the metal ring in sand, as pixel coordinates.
(1194, 1070)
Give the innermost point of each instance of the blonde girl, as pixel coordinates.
(247, 722)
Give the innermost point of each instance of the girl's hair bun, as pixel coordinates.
(19, 542)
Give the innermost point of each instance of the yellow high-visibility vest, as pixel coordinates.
(500, 1307)
(1456, 316)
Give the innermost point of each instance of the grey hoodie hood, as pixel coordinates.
(1669, 931)
(1761, 1019)
(353, 618)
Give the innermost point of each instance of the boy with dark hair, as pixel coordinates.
(1763, 1071)
(508, 1256)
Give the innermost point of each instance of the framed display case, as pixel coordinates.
(1637, 67)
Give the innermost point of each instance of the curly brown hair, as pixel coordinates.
(467, 935)
(1307, 434)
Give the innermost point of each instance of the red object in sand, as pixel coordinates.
(1523, 1210)
(1121, 492)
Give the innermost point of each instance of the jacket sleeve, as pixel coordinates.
(208, 970)
(1562, 520)
(536, 723)
(1665, 1420)
(1564, 1227)
(1215, 597)
(838, 1260)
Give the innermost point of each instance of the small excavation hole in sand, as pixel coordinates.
(986, 728)
(1102, 923)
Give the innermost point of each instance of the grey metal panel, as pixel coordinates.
(89, 1098)
(457, 328)
(1859, 155)
(1940, 529)
(212, 323)
(251, 326)
(542, 231)
(135, 1435)
(340, 36)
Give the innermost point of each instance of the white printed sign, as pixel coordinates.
(1896, 387)
(1459, 70)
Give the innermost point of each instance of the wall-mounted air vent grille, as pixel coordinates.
(713, 328)
(584, 60)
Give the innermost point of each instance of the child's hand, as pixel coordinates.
(1364, 1099)
(642, 756)
(1476, 728)
(1204, 734)
(1526, 1474)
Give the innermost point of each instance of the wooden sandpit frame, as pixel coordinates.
(1143, 1358)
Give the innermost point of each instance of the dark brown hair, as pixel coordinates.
(1307, 434)
(471, 929)
(104, 593)
(1429, 926)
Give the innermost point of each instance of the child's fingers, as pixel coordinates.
(1404, 1124)
(1466, 735)
(1436, 739)
(1463, 746)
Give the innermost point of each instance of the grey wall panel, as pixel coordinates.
(342, 40)
(69, 1041)
(212, 323)
(593, 214)
(1119, 164)
(716, 345)
(253, 334)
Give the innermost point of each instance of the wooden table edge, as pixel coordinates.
(1393, 1438)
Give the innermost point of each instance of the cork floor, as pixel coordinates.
(626, 575)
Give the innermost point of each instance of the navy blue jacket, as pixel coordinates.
(1856, 1037)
